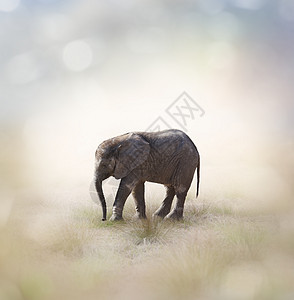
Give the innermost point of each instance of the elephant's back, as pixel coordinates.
(170, 152)
(171, 140)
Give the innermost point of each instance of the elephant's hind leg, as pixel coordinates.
(138, 194)
(165, 207)
(177, 212)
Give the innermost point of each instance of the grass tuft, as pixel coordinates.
(148, 231)
(214, 253)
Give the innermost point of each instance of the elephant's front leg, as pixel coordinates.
(125, 187)
(138, 194)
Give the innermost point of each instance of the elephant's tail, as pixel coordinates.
(198, 177)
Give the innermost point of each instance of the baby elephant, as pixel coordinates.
(168, 157)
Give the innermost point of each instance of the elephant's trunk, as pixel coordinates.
(98, 185)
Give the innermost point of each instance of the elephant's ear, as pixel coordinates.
(131, 153)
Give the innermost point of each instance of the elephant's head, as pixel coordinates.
(118, 157)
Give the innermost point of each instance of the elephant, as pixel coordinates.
(167, 157)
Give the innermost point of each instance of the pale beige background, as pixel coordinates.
(74, 73)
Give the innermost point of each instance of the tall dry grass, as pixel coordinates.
(49, 252)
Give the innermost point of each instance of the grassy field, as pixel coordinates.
(51, 251)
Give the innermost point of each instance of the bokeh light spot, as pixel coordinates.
(54, 26)
(77, 55)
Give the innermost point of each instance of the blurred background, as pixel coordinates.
(74, 73)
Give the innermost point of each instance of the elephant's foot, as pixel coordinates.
(140, 216)
(156, 216)
(175, 215)
(116, 214)
(161, 212)
(115, 217)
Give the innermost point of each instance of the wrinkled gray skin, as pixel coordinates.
(168, 157)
